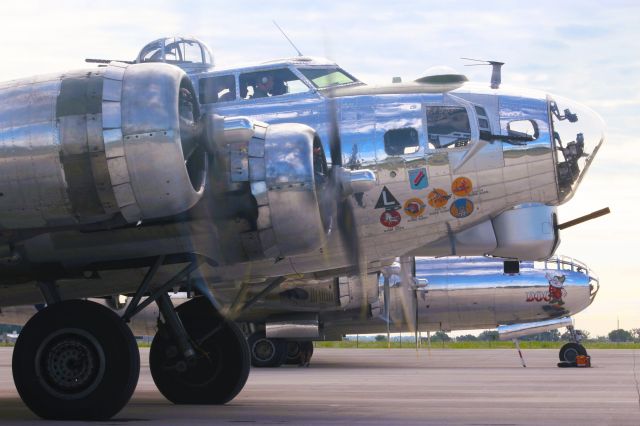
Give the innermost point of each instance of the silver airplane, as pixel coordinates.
(465, 293)
(126, 179)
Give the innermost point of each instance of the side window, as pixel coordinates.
(401, 141)
(448, 126)
(523, 129)
(483, 123)
(270, 83)
(221, 88)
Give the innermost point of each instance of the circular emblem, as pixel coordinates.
(414, 207)
(462, 186)
(461, 208)
(390, 218)
(438, 198)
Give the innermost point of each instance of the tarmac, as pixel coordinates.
(397, 386)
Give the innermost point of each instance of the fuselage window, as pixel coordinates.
(523, 129)
(269, 83)
(401, 141)
(448, 126)
(221, 88)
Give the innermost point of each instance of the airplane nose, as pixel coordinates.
(578, 133)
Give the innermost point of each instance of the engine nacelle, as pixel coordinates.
(283, 169)
(87, 146)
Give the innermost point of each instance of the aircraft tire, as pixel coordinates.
(267, 352)
(76, 360)
(569, 351)
(294, 352)
(297, 351)
(220, 368)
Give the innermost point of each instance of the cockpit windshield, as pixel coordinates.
(578, 133)
(323, 78)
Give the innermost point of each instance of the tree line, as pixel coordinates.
(618, 335)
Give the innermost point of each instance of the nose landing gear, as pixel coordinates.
(569, 352)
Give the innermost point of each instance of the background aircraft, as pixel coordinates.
(466, 293)
(119, 181)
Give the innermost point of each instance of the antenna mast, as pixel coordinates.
(288, 39)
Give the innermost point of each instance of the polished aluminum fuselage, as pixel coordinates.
(498, 177)
(503, 175)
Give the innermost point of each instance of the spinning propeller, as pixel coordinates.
(408, 293)
(344, 183)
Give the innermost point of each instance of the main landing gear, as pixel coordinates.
(299, 352)
(267, 352)
(78, 360)
(75, 360)
(217, 369)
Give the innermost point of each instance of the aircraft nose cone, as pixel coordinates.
(578, 134)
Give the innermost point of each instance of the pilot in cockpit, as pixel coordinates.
(279, 87)
(263, 86)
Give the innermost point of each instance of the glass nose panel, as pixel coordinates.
(578, 132)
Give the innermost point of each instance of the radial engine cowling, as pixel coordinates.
(96, 145)
(283, 169)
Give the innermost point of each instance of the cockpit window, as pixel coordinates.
(269, 83)
(221, 88)
(448, 126)
(327, 77)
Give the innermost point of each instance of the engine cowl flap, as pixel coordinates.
(86, 147)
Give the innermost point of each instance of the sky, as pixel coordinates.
(583, 50)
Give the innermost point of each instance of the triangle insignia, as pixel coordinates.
(387, 201)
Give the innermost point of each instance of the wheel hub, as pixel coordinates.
(263, 350)
(571, 355)
(70, 363)
(293, 349)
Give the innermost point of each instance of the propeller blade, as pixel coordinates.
(349, 234)
(407, 292)
(387, 313)
(335, 144)
(345, 216)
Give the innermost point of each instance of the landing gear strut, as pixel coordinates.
(196, 357)
(75, 360)
(215, 366)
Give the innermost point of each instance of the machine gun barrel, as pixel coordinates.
(585, 218)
